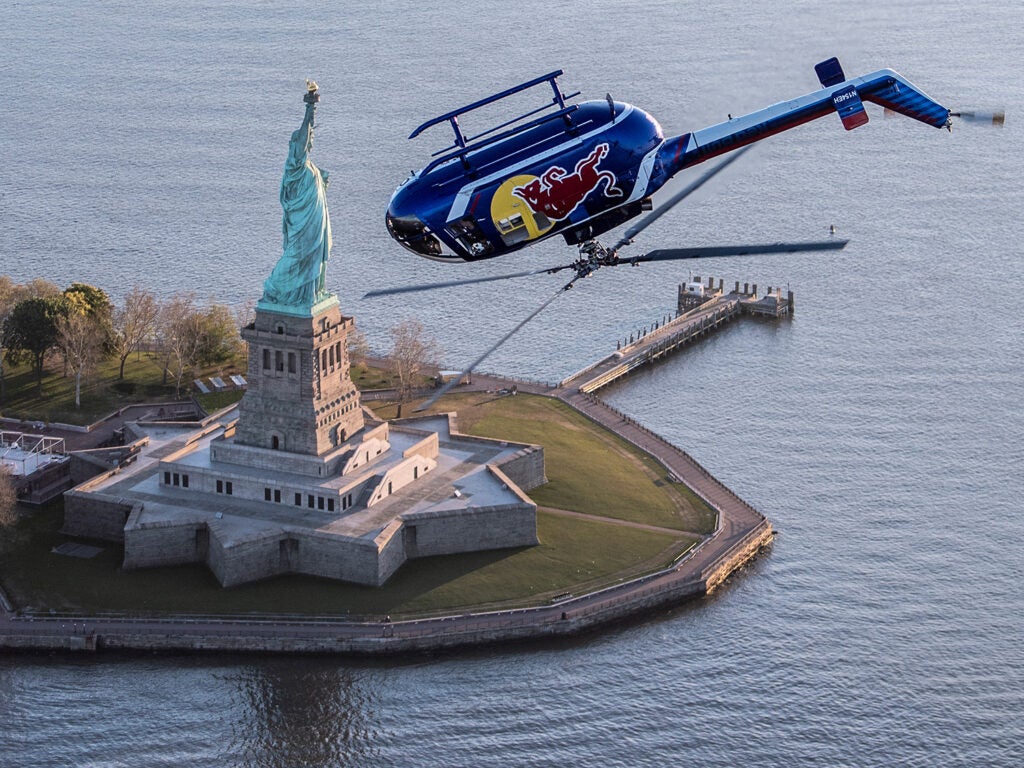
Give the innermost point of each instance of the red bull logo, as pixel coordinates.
(557, 193)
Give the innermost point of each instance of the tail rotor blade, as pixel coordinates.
(677, 198)
(993, 117)
(990, 117)
(453, 382)
(710, 252)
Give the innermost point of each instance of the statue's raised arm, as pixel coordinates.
(302, 139)
(298, 279)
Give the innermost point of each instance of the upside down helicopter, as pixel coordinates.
(581, 169)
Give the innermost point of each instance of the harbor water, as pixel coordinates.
(879, 429)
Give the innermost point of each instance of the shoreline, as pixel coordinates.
(741, 533)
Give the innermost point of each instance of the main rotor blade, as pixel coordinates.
(710, 252)
(447, 387)
(678, 197)
(453, 283)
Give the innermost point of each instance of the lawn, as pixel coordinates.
(102, 392)
(575, 555)
(589, 468)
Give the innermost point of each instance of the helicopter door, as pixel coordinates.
(513, 229)
(468, 234)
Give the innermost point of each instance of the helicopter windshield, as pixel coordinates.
(414, 235)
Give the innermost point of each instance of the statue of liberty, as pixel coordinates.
(299, 275)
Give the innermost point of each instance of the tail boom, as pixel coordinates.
(884, 87)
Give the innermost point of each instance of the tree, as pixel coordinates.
(8, 500)
(220, 338)
(89, 299)
(180, 337)
(81, 336)
(358, 347)
(411, 352)
(31, 328)
(133, 322)
(10, 294)
(90, 338)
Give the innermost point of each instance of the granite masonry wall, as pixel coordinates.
(95, 515)
(164, 543)
(526, 468)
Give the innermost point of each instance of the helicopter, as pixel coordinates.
(581, 169)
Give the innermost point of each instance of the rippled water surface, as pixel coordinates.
(879, 429)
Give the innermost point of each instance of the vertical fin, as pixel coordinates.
(829, 72)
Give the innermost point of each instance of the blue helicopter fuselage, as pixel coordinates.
(586, 168)
(547, 180)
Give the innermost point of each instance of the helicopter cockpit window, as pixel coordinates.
(469, 235)
(414, 235)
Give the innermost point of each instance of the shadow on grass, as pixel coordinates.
(574, 555)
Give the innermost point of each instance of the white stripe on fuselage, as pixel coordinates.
(464, 195)
(643, 174)
(736, 125)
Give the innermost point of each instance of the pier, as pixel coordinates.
(701, 309)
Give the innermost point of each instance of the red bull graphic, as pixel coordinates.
(556, 194)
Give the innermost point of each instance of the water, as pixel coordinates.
(879, 429)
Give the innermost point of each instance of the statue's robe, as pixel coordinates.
(298, 278)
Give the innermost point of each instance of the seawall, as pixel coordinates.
(292, 635)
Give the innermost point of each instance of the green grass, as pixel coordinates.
(214, 401)
(575, 555)
(367, 377)
(102, 392)
(589, 468)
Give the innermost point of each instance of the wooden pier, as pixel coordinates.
(701, 310)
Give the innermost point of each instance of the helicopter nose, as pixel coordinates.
(414, 235)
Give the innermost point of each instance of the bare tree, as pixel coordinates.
(39, 288)
(8, 499)
(358, 347)
(81, 337)
(133, 323)
(244, 313)
(180, 337)
(412, 352)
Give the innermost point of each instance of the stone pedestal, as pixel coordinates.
(301, 398)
